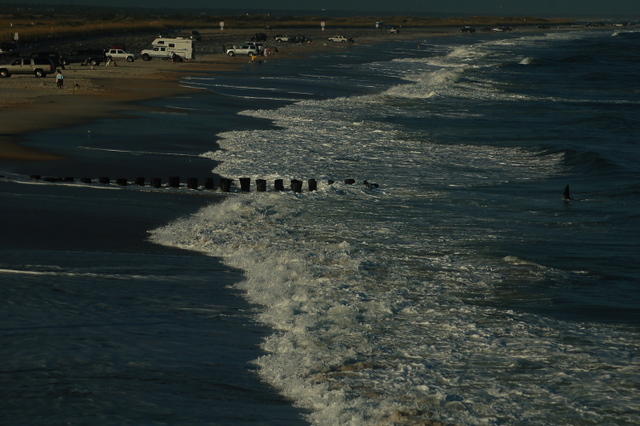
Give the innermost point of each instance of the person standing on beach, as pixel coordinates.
(59, 80)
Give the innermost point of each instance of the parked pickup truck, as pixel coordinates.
(176, 48)
(39, 67)
(159, 52)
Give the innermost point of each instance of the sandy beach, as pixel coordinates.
(30, 104)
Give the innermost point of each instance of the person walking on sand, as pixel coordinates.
(59, 80)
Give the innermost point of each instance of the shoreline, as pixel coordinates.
(31, 104)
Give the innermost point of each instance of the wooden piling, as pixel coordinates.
(296, 185)
(225, 184)
(192, 183)
(245, 184)
(208, 183)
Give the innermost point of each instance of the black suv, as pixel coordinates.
(9, 49)
(87, 56)
(54, 56)
(259, 37)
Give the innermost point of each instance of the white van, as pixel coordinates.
(165, 47)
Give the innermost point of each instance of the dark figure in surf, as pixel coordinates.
(567, 194)
(370, 185)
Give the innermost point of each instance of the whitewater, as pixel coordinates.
(461, 287)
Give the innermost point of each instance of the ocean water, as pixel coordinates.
(457, 287)
(462, 288)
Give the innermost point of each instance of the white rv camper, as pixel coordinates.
(165, 47)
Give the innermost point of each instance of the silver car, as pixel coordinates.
(249, 49)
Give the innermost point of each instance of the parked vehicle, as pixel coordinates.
(340, 39)
(86, 56)
(281, 38)
(156, 52)
(393, 30)
(467, 29)
(9, 48)
(54, 56)
(165, 48)
(39, 67)
(120, 54)
(298, 38)
(249, 49)
(195, 35)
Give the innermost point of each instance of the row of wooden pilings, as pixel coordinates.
(209, 184)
